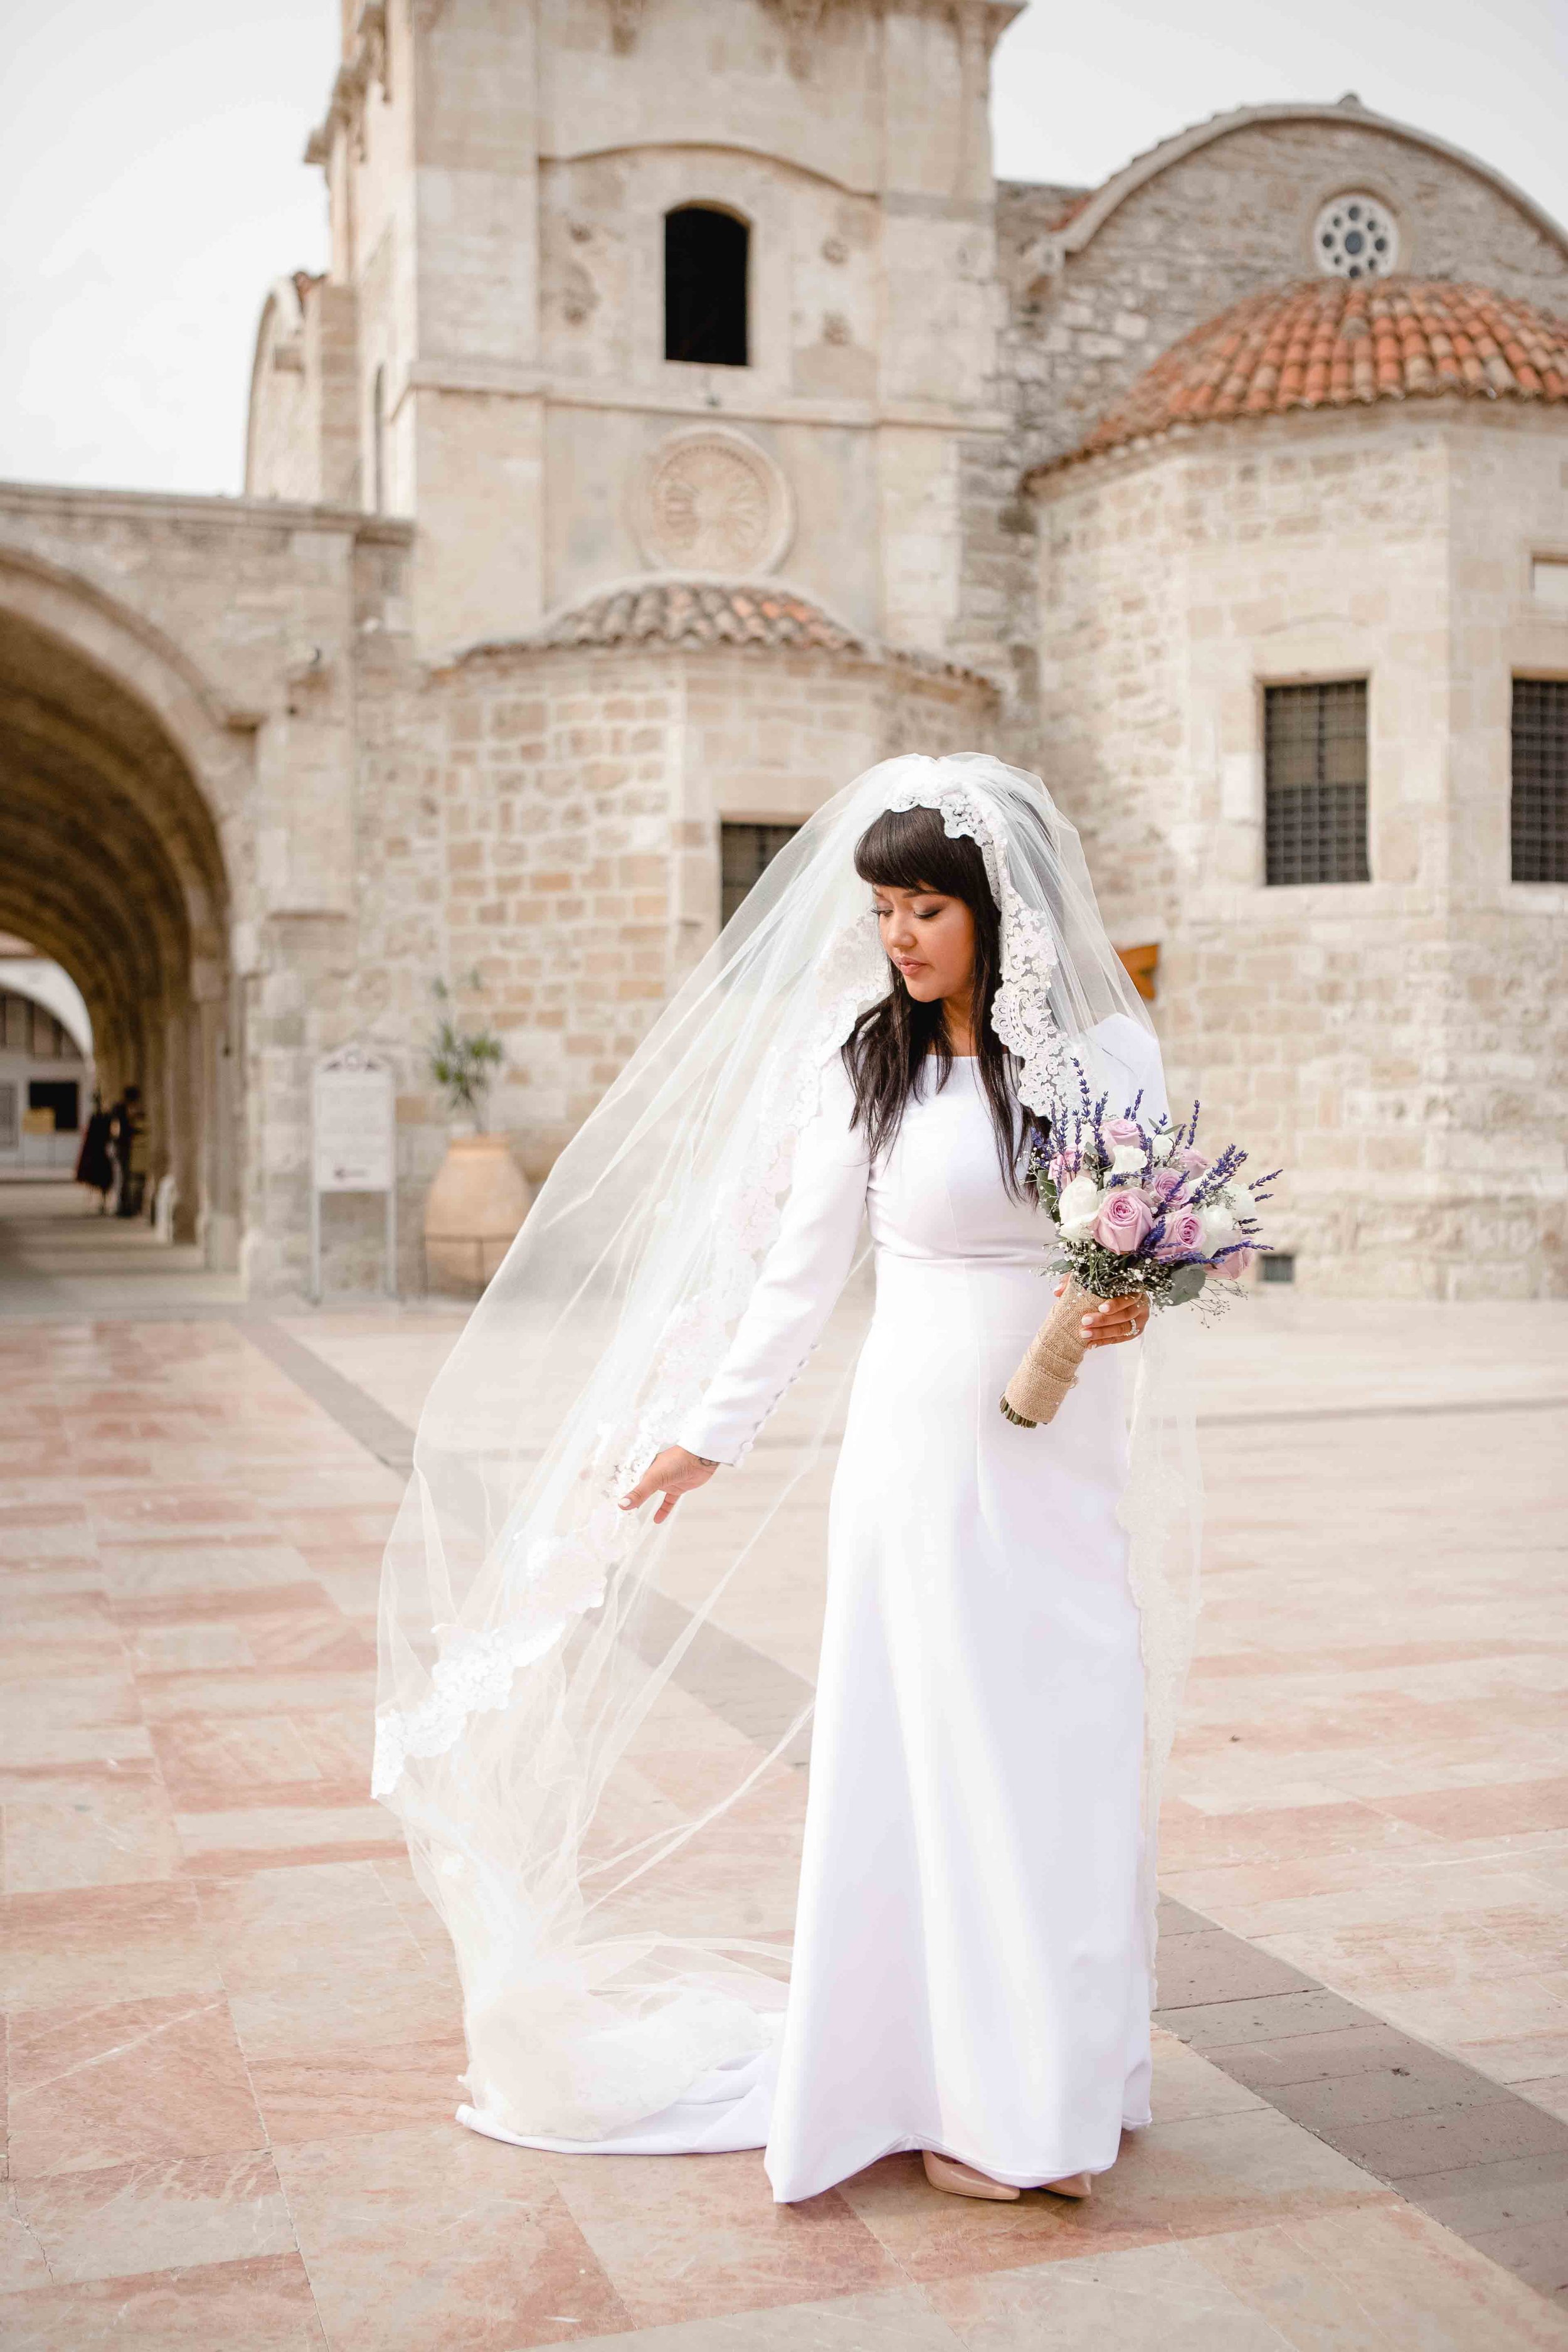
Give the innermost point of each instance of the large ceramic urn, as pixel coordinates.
(478, 1200)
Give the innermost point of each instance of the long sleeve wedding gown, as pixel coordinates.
(970, 1972)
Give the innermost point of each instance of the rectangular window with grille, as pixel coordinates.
(1540, 813)
(747, 851)
(1314, 782)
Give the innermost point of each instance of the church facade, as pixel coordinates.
(688, 418)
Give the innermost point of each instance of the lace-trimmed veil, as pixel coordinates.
(589, 1830)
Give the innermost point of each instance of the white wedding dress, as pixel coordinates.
(970, 1971)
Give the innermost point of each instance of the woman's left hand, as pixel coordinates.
(1107, 1320)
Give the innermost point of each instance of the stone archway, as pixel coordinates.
(110, 862)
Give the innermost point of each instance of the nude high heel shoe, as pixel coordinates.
(962, 2180)
(1074, 2184)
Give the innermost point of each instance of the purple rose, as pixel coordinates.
(1166, 1182)
(1062, 1168)
(1182, 1236)
(1193, 1160)
(1123, 1130)
(1123, 1222)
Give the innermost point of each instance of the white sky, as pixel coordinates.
(150, 184)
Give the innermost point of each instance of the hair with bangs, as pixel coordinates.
(889, 1052)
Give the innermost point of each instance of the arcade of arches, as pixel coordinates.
(110, 863)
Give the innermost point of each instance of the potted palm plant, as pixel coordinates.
(480, 1196)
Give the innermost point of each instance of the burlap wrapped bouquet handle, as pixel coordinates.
(1050, 1365)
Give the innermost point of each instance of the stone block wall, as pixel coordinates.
(579, 797)
(1398, 1044)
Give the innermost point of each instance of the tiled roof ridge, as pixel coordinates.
(1324, 342)
(672, 611)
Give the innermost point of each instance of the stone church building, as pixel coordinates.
(687, 418)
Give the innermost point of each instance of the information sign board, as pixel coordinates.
(354, 1143)
(353, 1124)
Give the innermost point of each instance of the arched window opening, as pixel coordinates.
(378, 439)
(706, 258)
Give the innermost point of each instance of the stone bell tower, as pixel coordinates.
(632, 288)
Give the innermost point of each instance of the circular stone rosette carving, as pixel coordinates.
(711, 500)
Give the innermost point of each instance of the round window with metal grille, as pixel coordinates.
(1356, 236)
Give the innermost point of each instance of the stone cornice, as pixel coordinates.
(514, 380)
(179, 506)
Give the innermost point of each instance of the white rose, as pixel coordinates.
(1078, 1205)
(1219, 1227)
(1165, 1144)
(1127, 1159)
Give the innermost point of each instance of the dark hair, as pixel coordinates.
(887, 1050)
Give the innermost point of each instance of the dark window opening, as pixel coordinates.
(62, 1096)
(1276, 1265)
(746, 853)
(1314, 782)
(1540, 804)
(706, 256)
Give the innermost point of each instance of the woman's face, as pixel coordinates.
(931, 939)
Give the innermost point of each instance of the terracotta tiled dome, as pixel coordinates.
(693, 613)
(700, 613)
(1329, 344)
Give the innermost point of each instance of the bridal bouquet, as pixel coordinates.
(1138, 1209)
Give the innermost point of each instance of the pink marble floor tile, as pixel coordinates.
(223, 1602)
(28, 1547)
(102, 1944)
(689, 2237)
(264, 2305)
(34, 1711)
(1493, 1811)
(340, 1744)
(232, 1760)
(188, 1649)
(272, 1924)
(111, 2080)
(277, 1835)
(22, 2263)
(161, 1512)
(323, 2013)
(167, 2213)
(334, 2094)
(1192, 1841)
(1386, 2277)
(165, 1697)
(427, 2237)
(107, 1831)
(22, 1518)
(143, 1571)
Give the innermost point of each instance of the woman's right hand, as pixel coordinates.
(673, 1473)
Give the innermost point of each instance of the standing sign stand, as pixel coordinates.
(353, 1144)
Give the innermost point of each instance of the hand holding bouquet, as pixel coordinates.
(1139, 1212)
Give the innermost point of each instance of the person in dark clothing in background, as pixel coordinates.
(124, 1133)
(94, 1166)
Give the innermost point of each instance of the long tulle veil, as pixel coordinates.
(590, 1813)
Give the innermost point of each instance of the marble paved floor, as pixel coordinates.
(231, 2029)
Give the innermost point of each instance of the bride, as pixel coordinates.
(1009, 1610)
